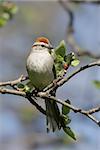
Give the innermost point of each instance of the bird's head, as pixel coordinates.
(42, 42)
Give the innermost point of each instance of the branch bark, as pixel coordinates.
(60, 82)
(46, 93)
(75, 109)
(14, 82)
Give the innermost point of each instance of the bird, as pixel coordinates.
(41, 71)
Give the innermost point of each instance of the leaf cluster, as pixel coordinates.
(65, 121)
(63, 60)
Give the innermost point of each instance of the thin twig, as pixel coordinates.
(53, 83)
(84, 1)
(23, 94)
(46, 94)
(94, 110)
(61, 82)
(14, 82)
(76, 110)
(64, 80)
(32, 101)
(12, 92)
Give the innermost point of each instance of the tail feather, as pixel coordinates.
(53, 115)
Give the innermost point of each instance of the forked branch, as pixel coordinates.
(46, 93)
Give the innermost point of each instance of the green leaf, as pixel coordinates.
(29, 84)
(68, 58)
(97, 83)
(67, 121)
(64, 120)
(23, 87)
(71, 59)
(20, 86)
(59, 69)
(69, 132)
(27, 89)
(75, 62)
(14, 9)
(61, 49)
(59, 59)
(65, 109)
(5, 16)
(2, 22)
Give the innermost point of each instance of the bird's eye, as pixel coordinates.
(43, 45)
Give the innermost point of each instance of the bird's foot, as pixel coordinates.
(34, 92)
(55, 82)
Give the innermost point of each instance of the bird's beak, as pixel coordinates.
(50, 47)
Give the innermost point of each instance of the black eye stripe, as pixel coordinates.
(43, 46)
(46, 46)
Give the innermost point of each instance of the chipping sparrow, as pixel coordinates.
(40, 68)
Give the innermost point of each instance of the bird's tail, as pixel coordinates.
(53, 115)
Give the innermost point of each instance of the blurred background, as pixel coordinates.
(22, 127)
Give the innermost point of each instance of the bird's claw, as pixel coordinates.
(34, 92)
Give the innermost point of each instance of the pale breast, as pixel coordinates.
(39, 67)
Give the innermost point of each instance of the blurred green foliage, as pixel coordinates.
(7, 10)
(97, 84)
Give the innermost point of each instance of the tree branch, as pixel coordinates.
(63, 80)
(70, 29)
(14, 82)
(84, 1)
(46, 93)
(94, 110)
(12, 92)
(75, 109)
(31, 100)
(23, 94)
